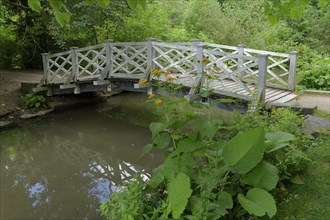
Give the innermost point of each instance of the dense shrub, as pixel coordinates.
(316, 75)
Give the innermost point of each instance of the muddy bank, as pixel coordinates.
(13, 109)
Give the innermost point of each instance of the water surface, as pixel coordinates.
(63, 165)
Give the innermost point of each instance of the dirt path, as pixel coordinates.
(10, 84)
(319, 100)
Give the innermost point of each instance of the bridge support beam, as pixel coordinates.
(292, 71)
(262, 73)
(240, 51)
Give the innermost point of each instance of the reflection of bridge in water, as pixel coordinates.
(232, 71)
(110, 167)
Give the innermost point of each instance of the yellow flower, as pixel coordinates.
(170, 78)
(159, 102)
(151, 96)
(206, 60)
(167, 72)
(155, 72)
(144, 81)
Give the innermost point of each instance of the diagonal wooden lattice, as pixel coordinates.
(91, 62)
(277, 69)
(222, 66)
(60, 67)
(177, 59)
(128, 59)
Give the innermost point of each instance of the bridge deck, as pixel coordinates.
(230, 88)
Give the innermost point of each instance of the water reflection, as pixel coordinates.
(63, 166)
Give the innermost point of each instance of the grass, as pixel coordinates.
(310, 200)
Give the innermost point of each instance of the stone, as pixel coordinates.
(6, 124)
(39, 113)
(315, 126)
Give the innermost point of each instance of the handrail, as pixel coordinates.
(115, 59)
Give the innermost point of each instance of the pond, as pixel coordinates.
(64, 165)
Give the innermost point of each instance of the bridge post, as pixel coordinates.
(240, 51)
(108, 53)
(292, 70)
(199, 63)
(45, 65)
(200, 78)
(75, 69)
(262, 73)
(151, 53)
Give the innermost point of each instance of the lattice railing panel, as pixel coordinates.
(59, 68)
(91, 62)
(128, 58)
(175, 58)
(221, 66)
(277, 70)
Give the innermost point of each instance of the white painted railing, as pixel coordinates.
(135, 60)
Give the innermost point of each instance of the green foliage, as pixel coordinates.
(245, 150)
(33, 100)
(245, 166)
(218, 28)
(258, 202)
(8, 55)
(277, 9)
(124, 204)
(316, 75)
(264, 176)
(179, 192)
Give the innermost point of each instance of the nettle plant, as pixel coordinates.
(202, 176)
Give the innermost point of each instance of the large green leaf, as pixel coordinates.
(264, 176)
(162, 140)
(179, 192)
(258, 202)
(35, 5)
(208, 128)
(224, 202)
(196, 205)
(277, 140)
(62, 18)
(103, 3)
(245, 150)
(56, 4)
(157, 127)
(323, 3)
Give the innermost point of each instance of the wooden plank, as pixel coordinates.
(286, 98)
(68, 86)
(249, 50)
(59, 54)
(230, 55)
(126, 76)
(101, 82)
(270, 92)
(274, 94)
(129, 44)
(90, 48)
(282, 94)
(220, 46)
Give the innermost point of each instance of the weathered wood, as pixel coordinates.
(292, 71)
(234, 71)
(75, 68)
(240, 49)
(262, 77)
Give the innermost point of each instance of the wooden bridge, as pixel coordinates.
(233, 71)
